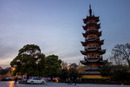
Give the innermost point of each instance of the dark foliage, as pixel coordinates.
(29, 61)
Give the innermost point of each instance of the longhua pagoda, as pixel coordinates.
(93, 59)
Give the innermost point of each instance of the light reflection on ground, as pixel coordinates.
(11, 84)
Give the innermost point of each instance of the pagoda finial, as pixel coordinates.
(90, 10)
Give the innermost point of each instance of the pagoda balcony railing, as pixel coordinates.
(92, 47)
(91, 30)
(92, 68)
(89, 57)
(92, 38)
(90, 22)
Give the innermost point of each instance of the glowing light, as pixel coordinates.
(13, 69)
(68, 68)
(11, 84)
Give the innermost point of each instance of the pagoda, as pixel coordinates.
(93, 59)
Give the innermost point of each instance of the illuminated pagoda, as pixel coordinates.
(93, 59)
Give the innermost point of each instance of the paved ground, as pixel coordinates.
(11, 84)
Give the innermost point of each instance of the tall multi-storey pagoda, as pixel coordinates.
(92, 47)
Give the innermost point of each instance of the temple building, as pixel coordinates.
(93, 52)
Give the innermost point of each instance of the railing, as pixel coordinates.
(92, 47)
(92, 38)
(91, 30)
(93, 57)
(92, 68)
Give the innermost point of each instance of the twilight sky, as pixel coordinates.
(56, 26)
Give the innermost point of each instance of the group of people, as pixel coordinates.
(72, 80)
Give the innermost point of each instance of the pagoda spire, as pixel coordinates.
(90, 10)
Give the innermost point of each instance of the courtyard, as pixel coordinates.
(53, 84)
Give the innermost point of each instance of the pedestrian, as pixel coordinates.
(75, 80)
(69, 81)
(16, 80)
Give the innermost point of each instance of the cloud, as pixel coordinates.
(7, 50)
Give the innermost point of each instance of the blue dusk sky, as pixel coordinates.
(56, 26)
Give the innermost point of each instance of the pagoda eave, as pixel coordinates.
(83, 52)
(101, 52)
(92, 32)
(83, 62)
(100, 42)
(97, 26)
(88, 18)
(83, 43)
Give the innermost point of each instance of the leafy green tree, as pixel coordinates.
(52, 65)
(29, 61)
(63, 74)
(73, 73)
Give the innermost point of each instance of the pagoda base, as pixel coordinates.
(94, 79)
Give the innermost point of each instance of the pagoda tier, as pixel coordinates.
(94, 31)
(101, 52)
(93, 57)
(100, 42)
(92, 61)
(95, 25)
(92, 39)
(96, 19)
(92, 68)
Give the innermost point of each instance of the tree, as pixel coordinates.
(52, 65)
(29, 61)
(106, 69)
(73, 65)
(121, 53)
(63, 74)
(116, 72)
(119, 73)
(3, 71)
(64, 65)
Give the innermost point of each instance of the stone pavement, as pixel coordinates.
(52, 84)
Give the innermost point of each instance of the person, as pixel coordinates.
(16, 80)
(69, 81)
(75, 80)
